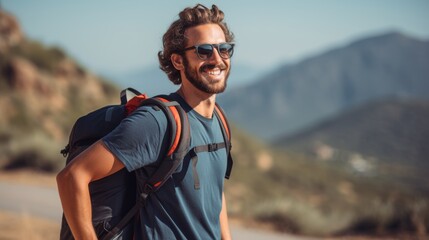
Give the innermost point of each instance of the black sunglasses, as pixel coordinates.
(205, 51)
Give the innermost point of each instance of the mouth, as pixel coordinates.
(212, 70)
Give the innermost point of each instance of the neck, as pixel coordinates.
(202, 103)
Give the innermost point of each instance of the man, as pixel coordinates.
(196, 54)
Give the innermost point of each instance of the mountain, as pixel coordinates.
(299, 95)
(154, 81)
(42, 92)
(387, 131)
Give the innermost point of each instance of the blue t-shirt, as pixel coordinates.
(177, 210)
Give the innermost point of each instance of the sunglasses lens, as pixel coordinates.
(205, 51)
(226, 50)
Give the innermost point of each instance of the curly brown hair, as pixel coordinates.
(174, 40)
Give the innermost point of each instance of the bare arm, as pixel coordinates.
(94, 163)
(224, 225)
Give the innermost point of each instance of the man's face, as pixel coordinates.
(209, 75)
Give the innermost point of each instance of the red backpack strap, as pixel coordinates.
(226, 131)
(178, 120)
(224, 122)
(135, 102)
(171, 110)
(179, 132)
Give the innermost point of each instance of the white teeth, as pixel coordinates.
(215, 71)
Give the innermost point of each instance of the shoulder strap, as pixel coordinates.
(178, 127)
(226, 131)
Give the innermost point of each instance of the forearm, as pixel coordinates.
(223, 218)
(94, 163)
(76, 202)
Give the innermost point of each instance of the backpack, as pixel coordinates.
(112, 208)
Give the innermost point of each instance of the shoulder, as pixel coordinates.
(144, 121)
(147, 114)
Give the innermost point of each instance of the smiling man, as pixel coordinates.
(213, 72)
(191, 204)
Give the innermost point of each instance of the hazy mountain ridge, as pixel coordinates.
(299, 95)
(390, 131)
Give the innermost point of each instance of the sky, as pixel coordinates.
(120, 36)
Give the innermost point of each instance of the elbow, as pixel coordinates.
(63, 177)
(71, 177)
(70, 181)
(67, 178)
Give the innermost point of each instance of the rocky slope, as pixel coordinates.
(42, 91)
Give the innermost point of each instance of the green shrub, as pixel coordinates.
(44, 58)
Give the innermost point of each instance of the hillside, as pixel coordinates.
(305, 194)
(42, 92)
(395, 130)
(383, 139)
(299, 95)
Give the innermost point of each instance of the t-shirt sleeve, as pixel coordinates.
(137, 140)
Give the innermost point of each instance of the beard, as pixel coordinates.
(199, 83)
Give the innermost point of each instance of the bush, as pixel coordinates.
(41, 56)
(36, 151)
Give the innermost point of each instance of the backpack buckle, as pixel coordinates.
(147, 188)
(65, 151)
(212, 147)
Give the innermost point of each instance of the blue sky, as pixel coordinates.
(119, 36)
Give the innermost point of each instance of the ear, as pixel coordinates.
(177, 61)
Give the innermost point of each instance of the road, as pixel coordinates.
(44, 202)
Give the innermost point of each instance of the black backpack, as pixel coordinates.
(113, 198)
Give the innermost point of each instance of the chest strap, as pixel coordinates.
(194, 157)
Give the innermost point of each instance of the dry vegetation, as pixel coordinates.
(18, 226)
(297, 194)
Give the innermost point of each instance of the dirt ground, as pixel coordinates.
(23, 226)
(18, 226)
